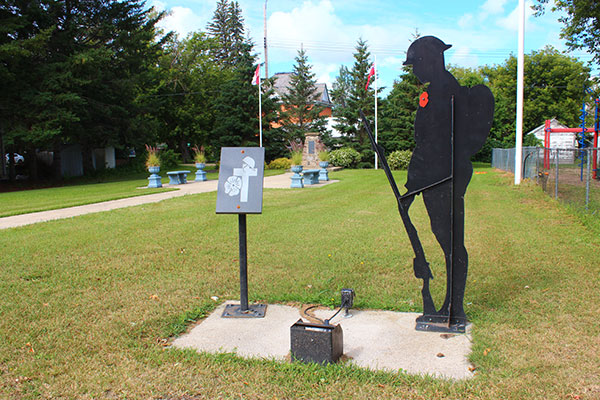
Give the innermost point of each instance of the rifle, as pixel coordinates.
(420, 265)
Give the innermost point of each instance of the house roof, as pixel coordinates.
(283, 81)
(557, 139)
(539, 131)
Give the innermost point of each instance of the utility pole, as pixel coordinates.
(265, 43)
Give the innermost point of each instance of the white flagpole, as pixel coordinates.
(520, 82)
(375, 65)
(259, 111)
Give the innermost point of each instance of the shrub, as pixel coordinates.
(399, 159)
(169, 159)
(280, 163)
(364, 165)
(345, 157)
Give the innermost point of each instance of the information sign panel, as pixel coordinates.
(241, 180)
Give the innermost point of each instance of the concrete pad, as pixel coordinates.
(377, 340)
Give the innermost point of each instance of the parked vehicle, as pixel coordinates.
(18, 158)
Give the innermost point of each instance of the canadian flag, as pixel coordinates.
(256, 77)
(371, 73)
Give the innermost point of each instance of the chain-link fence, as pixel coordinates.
(504, 159)
(570, 175)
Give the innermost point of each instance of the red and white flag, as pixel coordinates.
(256, 77)
(371, 73)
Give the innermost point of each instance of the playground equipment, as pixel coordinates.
(580, 131)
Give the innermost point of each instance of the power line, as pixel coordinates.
(389, 49)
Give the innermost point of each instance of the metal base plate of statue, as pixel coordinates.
(251, 311)
(239, 192)
(451, 125)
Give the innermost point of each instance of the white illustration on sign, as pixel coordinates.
(238, 183)
(233, 185)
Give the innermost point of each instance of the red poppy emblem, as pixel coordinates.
(423, 99)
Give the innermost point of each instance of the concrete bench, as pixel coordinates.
(311, 176)
(177, 177)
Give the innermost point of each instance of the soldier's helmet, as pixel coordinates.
(426, 48)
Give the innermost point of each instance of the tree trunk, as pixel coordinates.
(33, 164)
(185, 153)
(3, 171)
(86, 155)
(11, 166)
(57, 162)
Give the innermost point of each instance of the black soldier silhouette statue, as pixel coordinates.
(451, 125)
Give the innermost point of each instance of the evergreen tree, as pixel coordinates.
(301, 102)
(219, 29)
(357, 98)
(73, 71)
(341, 88)
(397, 113)
(227, 27)
(235, 105)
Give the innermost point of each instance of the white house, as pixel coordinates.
(558, 140)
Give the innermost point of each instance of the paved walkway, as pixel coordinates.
(281, 181)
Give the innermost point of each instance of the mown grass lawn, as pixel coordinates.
(86, 192)
(88, 302)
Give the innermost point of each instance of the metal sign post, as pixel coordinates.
(240, 192)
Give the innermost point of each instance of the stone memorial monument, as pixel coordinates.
(310, 153)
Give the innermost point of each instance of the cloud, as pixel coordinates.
(465, 21)
(326, 73)
(511, 21)
(463, 56)
(493, 7)
(489, 8)
(311, 25)
(183, 20)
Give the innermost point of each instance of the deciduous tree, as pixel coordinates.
(581, 24)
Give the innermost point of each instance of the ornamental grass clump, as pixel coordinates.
(152, 160)
(199, 155)
(322, 152)
(295, 147)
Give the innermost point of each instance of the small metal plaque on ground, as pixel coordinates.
(253, 311)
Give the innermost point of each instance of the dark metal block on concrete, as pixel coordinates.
(321, 344)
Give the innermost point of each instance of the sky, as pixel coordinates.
(481, 32)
